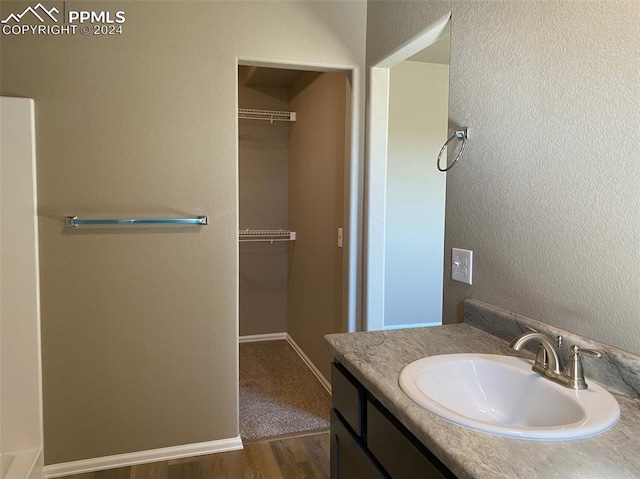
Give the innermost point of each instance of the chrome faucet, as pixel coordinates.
(547, 363)
(547, 359)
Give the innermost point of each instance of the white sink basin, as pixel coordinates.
(501, 395)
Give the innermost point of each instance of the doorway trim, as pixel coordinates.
(353, 189)
(377, 119)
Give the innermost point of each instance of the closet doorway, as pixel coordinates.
(293, 150)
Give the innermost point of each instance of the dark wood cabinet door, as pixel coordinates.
(349, 460)
(397, 450)
(348, 397)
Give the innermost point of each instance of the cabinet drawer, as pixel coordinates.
(398, 451)
(349, 459)
(348, 397)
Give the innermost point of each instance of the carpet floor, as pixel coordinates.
(278, 393)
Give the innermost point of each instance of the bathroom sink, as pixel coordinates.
(501, 395)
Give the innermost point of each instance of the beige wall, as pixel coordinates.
(316, 211)
(262, 167)
(140, 328)
(548, 192)
(415, 193)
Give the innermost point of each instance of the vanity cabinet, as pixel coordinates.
(368, 442)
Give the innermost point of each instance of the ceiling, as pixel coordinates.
(436, 53)
(262, 77)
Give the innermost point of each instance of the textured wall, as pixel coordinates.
(548, 192)
(316, 211)
(140, 328)
(262, 176)
(414, 243)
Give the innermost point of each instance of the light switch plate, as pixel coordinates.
(461, 265)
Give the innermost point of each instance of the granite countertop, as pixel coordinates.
(377, 358)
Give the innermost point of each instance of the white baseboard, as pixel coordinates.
(310, 365)
(175, 452)
(142, 457)
(262, 337)
(388, 327)
(296, 348)
(24, 464)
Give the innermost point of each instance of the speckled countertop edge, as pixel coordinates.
(376, 360)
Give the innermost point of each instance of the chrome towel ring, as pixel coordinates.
(461, 135)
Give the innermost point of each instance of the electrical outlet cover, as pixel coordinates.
(461, 265)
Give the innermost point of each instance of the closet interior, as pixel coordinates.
(293, 147)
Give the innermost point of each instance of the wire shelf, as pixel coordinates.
(268, 115)
(249, 235)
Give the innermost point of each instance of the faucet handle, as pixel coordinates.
(575, 350)
(574, 372)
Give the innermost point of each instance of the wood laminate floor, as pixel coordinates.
(299, 457)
